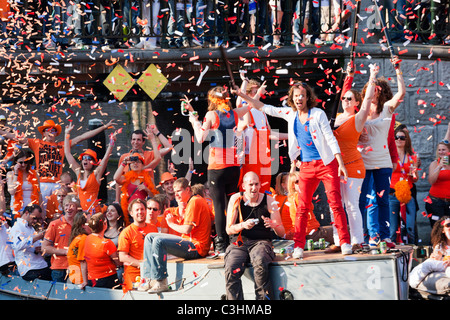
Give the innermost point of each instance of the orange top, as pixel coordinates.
(179, 220)
(198, 215)
(148, 157)
(220, 158)
(75, 254)
(97, 251)
(89, 193)
(441, 188)
(131, 241)
(402, 170)
(348, 137)
(49, 159)
(58, 233)
(312, 224)
(285, 213)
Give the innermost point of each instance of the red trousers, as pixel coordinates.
(311, 173)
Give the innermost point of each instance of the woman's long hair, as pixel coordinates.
(79, 221)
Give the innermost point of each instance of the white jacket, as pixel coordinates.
(319, 127)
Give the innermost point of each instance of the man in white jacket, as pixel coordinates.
(310, 137)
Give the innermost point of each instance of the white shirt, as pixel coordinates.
(21, 238)
(319, 127)
(375, 152)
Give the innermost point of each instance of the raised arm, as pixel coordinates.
(100, 170)
(363, 113)
(73, 164)
(92, 133)
(157, 155)
(167, 145)
(398, 97)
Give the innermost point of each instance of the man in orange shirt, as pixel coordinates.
(56, 239)
(194, 243)
(131, 242)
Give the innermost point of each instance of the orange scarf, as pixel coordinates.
(131, 176)
(18, 196)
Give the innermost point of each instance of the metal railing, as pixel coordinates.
(184, 23)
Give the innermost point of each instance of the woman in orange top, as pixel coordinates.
(89, 173)
(438, 200)
(77, 269)
(23, 182)
(348, 128)
(280, 194)
(101, 255)
(223, 166)
(406, 170)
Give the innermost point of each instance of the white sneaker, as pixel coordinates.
(298, 253)
(346, 249)
(159, 286)
(144, 285)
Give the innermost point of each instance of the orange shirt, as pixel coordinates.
(148, 157)
(312, 224)
(97, 251)
(89, 194)
(198, 215)
(131, 241)
(285, 213)
(75, 254)
(49, 159)
(58, 233)
(179, 220)
(222, 157)
(347, 138)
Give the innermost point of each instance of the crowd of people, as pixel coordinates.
(149, 24)
(56, 227)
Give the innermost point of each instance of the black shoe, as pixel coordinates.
(220, 244)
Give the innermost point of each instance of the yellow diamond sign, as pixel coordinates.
(119, 82)
(152, 81)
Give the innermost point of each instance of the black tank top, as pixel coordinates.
(259, 231)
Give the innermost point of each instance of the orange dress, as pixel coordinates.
(347, 137)
(89, 194)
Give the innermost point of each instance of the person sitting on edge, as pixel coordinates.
(131, 242)
(250, 220)
(194, 242)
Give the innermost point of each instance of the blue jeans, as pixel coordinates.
(156, 248)
(395, 216)
(376, 220)
(59, 275)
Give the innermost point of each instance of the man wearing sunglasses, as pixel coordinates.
(49, 153)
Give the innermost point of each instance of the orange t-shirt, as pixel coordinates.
(198, 215)
(75, 254)
(131, 241)
(312, 224)
(285, 213)
(49, 159)
(97, 251)
(58, 233)
(347, 138)
(220, 157)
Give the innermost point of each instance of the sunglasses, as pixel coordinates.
(447, 225)
(346, 98)
(51, 130)
(152, 209)
(403, 138)
(445, 141)
(87, 158)
(21, 162)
